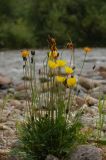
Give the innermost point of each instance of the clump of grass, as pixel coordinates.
(100, 122)
(44, 136)
(49, 126)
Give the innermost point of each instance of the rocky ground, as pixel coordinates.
(13, 105)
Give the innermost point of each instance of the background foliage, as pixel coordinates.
(25, 23)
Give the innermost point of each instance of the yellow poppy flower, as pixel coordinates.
(61, 63)
(53, 54)
(87, 49)
(60, 79)
(25, 53)
(52, 64)
(71, 82)
(68, 70)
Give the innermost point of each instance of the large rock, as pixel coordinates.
(88, 83)
(79, 101)
(98, 91)
(101, 69)
(90, 101)
(86, 152)
(103, 74)
(5, 81)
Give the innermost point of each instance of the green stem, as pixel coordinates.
(82, 65)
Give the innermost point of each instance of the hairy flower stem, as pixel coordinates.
(68, 102)
(82, 65)
(72, 60)
(25, 73)
(81, 68)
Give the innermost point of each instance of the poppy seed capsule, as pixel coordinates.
(32, 53)
(94, 67)
(73, 67)
(24, 58)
